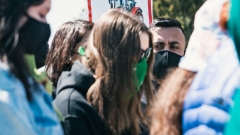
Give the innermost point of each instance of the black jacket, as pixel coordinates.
(80, 117)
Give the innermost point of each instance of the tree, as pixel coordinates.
(182, 10)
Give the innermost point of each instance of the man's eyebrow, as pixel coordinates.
(158, 42)
(174, 42)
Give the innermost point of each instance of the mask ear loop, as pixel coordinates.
(81, 51)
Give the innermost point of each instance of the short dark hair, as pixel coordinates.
(166, 22)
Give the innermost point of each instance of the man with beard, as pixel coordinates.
(169, 46)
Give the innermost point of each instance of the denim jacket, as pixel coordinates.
(18, 116)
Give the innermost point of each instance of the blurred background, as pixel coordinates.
(182, 10)
(69, 10)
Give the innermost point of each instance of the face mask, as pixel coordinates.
(164, 60)
(140, 72)
(41, 55)
(34, 35)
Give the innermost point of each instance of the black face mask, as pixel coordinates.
(164, 61)
(34, 35)
(41, 55)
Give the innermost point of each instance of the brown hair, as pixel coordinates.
(116, 39)
(65, 41)
(167, 110)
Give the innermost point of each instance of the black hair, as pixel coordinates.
(12, 53)
(166, 22)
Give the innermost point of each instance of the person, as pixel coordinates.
(121, 47)
(122, 73)
(217, 81)
(211, 64)
(65, 45)
(169, 46)
(168, 35)
(26, 108)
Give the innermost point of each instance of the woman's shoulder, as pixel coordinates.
(79, 114)
(71, 101)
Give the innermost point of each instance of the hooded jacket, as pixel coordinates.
(80, 117)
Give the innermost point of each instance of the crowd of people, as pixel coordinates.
(117, 76)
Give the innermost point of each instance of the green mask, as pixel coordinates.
(140, 72)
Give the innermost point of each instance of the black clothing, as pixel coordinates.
(80, 117)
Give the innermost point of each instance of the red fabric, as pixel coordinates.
(89, 11)
(134, 10)
(150, 11)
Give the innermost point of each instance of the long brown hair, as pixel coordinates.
(116, 39)
(167, 110)
(66, 39)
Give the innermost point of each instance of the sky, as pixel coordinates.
(63, 11)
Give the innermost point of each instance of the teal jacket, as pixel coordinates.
(233, 127)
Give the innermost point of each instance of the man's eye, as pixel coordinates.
(174, 47)
(158, 46)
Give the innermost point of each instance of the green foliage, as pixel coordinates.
(182, 10)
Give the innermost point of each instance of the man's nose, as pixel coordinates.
(166, 47)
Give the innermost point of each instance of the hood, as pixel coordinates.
(79, 78)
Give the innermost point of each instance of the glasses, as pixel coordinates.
(146, 54)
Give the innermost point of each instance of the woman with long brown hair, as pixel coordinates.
(64, 48)
(122, 45)
(119, 56)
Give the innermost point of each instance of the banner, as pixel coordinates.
(69, 10)
(95, 8)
